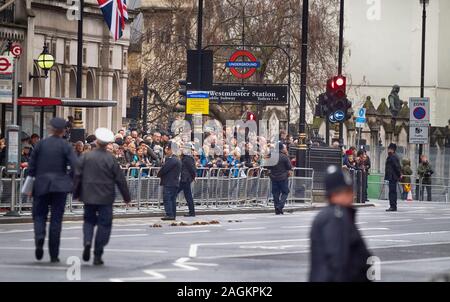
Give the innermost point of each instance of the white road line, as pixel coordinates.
(80, 249)
(247, 229)
(188, 232)
(62, 238)
(296, 227)
(395, 220)
(363, 222)
(34, 267)
(436, 218)
(389, 240)
(374, 229)
(416, 260)
(129, 235)
(129, 230)
(16, 231)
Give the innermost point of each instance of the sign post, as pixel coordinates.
(360, 122)
(10, 65)
(419, 120)
(197, 102)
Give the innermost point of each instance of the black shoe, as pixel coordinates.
(391, 210)
(168, 218)
(39, 252)
(54, 260)
(98, 260)
(87, 252)
(189, 215)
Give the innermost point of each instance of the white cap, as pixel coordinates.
(104, 135)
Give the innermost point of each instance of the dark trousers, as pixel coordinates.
(100, 216)
(170, 200)
(280, 192)
(393, 194)
(187, 190)
(422, 192)
(41, 204)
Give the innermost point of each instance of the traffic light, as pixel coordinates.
(182, 92)
(335, 99)
(251, 116)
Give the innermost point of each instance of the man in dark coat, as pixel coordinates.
(96, 177)
(392, 175)
(188, 173)
(170, 181)
(338, 252)
(279, 175)
(48, 164)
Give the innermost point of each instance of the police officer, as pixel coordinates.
(393, 172)
(96, 177)
(170, 181)
(188, 172)
(338, 252)
(49, 164)
(279, 175)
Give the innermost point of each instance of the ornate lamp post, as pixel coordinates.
(45, 61)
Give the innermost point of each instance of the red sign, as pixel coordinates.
(5, 65)
(16, 50)
(37, 101)
(242, 69)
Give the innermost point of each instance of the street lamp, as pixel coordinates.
(424, 4)
(45, 62)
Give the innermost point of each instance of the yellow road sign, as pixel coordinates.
(197, 106)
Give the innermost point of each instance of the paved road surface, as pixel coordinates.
(413, 245)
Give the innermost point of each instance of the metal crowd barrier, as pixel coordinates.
(213, 188)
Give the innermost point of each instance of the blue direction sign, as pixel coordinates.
(339, 115)
(331, 118)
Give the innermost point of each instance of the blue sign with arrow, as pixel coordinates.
(339, 115)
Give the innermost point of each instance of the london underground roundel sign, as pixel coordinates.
(243, 69)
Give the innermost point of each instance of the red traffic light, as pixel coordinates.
(251, 116)
(340, 81)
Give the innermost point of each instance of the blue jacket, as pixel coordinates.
(49, 164)
(170, 172)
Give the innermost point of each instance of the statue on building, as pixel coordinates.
(395, 103)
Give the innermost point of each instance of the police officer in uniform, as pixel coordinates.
(170, 180)
(393, 172)
(338, 252)
(96, 177)
(49, 164)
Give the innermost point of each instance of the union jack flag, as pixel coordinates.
(115, 14)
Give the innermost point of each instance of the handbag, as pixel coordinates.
(27, 187)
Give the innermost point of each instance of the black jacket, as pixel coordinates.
(393, 168)
(338, 252)
(170, 172)
(48, 164)
(280, 171)
(188, 169)
(96, 178)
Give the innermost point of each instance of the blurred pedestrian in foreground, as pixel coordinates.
(170, 181)
(279, 175)
(338, 252)
(392, 175)
(95, 179)
(48, 165)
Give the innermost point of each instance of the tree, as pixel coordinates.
(170, 29)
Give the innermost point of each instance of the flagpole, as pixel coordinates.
(78, 121)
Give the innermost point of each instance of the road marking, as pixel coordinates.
(187, 232)
(193, 249)
(296, 227)
(389, 240)
(16, 231)
(80, 249)
(396, 220)
(181, 265)
(374, 229)
(416, 260)
(247, 229)
(436, 218)
(363, 222)
(62, 238)
(58, 268)
(129, 235)
(129, 230)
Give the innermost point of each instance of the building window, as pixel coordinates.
(84, 55)
(53, 49)
(125, 59)
(67, 54)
